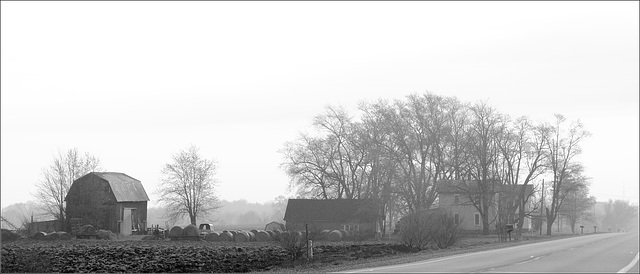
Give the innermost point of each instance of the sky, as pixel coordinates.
(135, 82)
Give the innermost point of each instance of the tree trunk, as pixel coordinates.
(485, 219)
(550, 220)
(520, 221)
(193, 219)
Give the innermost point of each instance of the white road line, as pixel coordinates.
(435, 260)
(630, 265)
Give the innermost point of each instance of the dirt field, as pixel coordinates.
(131, 254)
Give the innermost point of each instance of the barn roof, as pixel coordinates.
(124, 187)
(330, 210)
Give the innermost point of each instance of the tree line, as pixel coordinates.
(397, 151)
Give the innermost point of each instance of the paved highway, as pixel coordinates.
(601, 253)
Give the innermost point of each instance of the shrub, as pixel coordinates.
(414, 230)
(294, 243)
(8, 235)
(421, 230)
(445, 231)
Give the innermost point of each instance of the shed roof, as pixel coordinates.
(124, 187)
(330, 210)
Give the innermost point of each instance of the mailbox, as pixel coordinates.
(509, 227)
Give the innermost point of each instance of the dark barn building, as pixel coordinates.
(107, 200)
(348, 214)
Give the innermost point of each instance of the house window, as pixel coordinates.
(476, 219)
(456, 218)
(456, 199)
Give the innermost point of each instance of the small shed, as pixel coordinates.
(274, 226)
(359, 215)
(107, 200)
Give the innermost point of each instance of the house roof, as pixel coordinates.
(462, 186)
(124, 187)
(330, 210)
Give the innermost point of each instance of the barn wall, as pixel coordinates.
(90, 201)
(366, 227)
(44, 226)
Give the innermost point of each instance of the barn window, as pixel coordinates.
(456, 199)
(476, 219)
(456, 218)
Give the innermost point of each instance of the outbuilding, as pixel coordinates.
(107, 200)
(354, 215)
(274, 226)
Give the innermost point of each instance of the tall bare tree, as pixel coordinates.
(56, 180)
(523, 157)
(577, 203)
(486, 126)
(563, 145)
(188, 186)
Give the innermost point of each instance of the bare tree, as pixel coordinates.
(523, 157)
(620, 214)
(486, 127)
(188, 186)
(562, 146)
(577, 204)
(56, 180)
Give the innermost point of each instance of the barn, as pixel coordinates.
(107, 200)
(355, 215)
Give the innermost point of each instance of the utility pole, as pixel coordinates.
(541, 207)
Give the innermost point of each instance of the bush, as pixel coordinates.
(425, 229)
(414, 230)
(8, 235)
(445, 231)
(294, 243)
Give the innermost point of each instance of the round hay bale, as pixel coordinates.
(175, 231)
(190, 230)
(87, 230)
(334, 236)
(64, 235)
(324, 234)
(225, 237)
(52, 236)
(241, 237)
(40, 235)
(252, 236)
(345, 234)
(254, 231)
(263, 236)
(276, 234)
(271, 233)
(105, 234)
(233, 232)
(284, 235)
(212, 237)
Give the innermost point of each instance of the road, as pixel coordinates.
(601, 253)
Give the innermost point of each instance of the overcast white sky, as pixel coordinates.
(135, 82)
